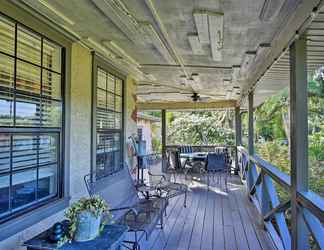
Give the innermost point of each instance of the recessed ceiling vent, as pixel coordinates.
(210, 29)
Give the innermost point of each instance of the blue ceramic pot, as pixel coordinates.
(87, 226)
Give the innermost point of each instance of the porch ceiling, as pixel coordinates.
(160, 43)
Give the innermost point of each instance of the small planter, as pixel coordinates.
(85, 218)
(87, 226)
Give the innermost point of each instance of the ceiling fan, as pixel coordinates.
(197, 98)
(194, 96)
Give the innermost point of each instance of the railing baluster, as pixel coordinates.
(279, 217)
(315, 227)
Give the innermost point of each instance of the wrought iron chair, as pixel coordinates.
(162, 184)
(216, 164)
(174, 164)
(140, 215)
(186, 149)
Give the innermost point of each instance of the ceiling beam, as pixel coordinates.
(186, 105)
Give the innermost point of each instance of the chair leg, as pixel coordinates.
(135, 245)
(226, 188)
(185, 200)
(208, 181)
(161, 220)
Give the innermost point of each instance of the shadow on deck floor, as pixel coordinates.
(213, 219)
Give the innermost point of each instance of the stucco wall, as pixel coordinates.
(130, 119)
(147, 133)
(80, 137)
(80, 140)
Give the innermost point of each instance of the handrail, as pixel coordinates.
(312, 202)
(281, 178)
(265, 197)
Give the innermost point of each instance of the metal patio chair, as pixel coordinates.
(140, 215)
(162, 185)
(216, 164)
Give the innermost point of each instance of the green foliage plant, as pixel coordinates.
(95, 205)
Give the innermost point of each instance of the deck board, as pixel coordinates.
(175, 234)
(208, 231)
(198, 228)
(184, 241)
(213, 220)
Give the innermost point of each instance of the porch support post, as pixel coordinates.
(250, 137)
(238, 136)
(163, 132)
(298, 139)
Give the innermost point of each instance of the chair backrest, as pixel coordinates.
(216, 162)
(174, 160)
(117, 190)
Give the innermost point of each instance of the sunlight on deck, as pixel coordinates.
(213, 219)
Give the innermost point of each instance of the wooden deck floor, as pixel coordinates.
(213, 219)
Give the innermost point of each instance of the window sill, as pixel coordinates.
(24, 221)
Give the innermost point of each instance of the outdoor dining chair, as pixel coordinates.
(216, 164)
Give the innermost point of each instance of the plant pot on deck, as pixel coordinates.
(87, 226)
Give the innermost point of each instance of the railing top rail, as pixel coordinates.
(206, 146)
(313, 202)
(281, 178)
(309, 200)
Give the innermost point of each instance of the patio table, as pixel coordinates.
(110, 238)
(191, 159)
(195, 156)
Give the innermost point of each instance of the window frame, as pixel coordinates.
(61, 198)
(99, 62)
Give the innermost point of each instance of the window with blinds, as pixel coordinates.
(31, 105)
(109, 112)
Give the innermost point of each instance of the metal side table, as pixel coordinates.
(110, 239)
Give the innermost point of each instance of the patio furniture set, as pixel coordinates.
(200, 164)
(130, 212)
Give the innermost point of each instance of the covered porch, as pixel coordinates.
(74, 74)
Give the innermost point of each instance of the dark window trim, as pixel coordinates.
(16, 129)
(99, 62)
(27, 17)
(32, 217)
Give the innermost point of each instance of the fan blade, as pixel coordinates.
(204, 99)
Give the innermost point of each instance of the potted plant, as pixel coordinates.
(85, 218)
